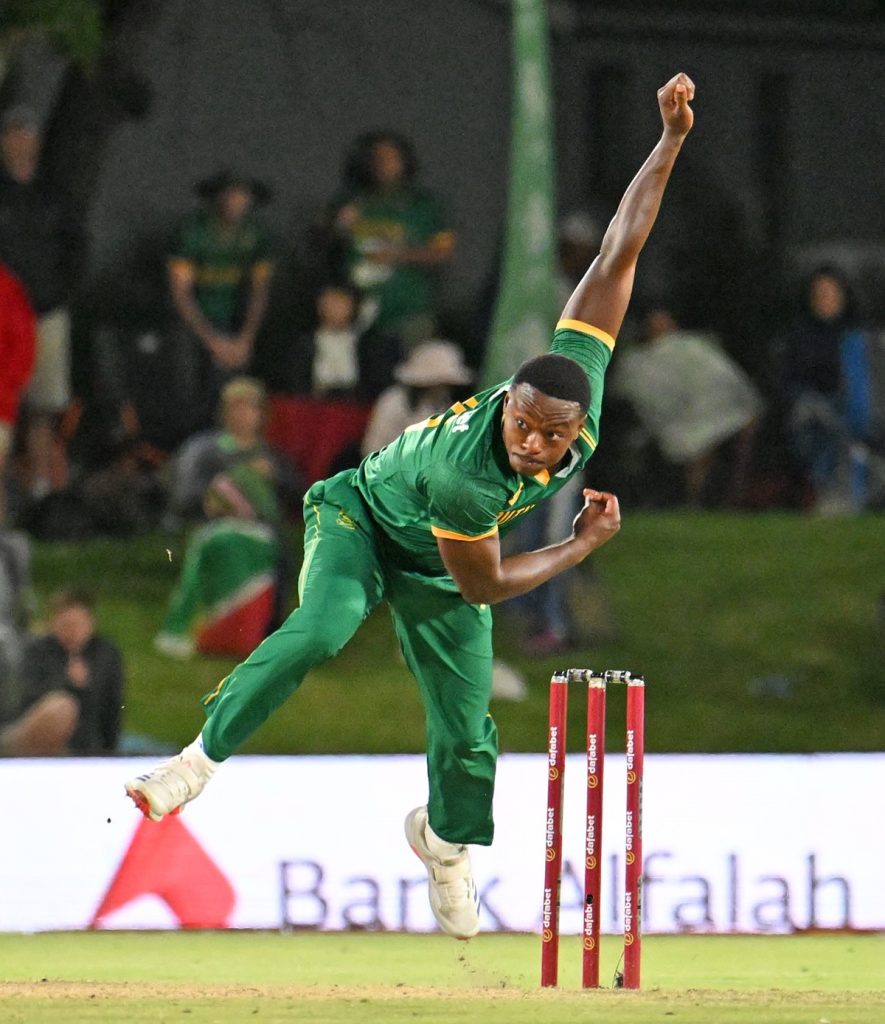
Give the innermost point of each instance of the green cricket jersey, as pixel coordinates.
(223, 263)
(410, 217)
(449, 476)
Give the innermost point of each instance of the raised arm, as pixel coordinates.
(602, 297)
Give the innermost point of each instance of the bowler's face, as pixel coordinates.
(538, 429)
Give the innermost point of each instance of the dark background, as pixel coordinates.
(783, 169)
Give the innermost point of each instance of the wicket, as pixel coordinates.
(635, 750)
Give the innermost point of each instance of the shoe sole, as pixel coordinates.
(141, 801)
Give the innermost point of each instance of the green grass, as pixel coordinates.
(201, 977)
(704, 604)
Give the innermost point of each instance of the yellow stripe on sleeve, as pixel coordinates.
(582, 328)
(451, 535)
(216, 691)
(434, 421)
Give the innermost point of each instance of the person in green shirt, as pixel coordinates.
(394, 236)
(419, 525)
(219, 273)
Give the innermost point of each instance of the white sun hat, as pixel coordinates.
(433, 363)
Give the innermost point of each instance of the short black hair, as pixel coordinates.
(71, 597)
(556, 376)
(358, 173)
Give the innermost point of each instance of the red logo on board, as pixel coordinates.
(166, 861)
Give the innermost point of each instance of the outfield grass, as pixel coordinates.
(201, 977)
(706, 605)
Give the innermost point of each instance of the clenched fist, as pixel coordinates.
(674, 99)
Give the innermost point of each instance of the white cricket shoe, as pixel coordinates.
(453, 897)
(172, 784)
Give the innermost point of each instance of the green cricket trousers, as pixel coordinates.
(447, 644)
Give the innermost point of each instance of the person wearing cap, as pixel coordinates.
(418, 525)
(219, 274)
(41, 246)
(426, 384)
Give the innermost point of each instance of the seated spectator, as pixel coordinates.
(229, 572)
(17, 340)
(219, 274)
(426, 384)
(825, 384)
(698, 406)
(239, 442)
(72, 683)
(339, 358)
(40, 245)
(393, 236)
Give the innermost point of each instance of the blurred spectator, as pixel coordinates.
(17, 359)
(219, 274)
(698, 406)
(825, 384)
(339, 358)
(137, 373)
(239, 442)
(229, 571)
(15, 599)
(40, 245)
(394, 236)
(578, 240)
(72, 681)
(426, 384)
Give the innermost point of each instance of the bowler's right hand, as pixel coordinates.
(599, 520)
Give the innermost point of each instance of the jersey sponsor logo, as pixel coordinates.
(462, 422)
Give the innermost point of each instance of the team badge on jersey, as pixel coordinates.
(462, 422)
